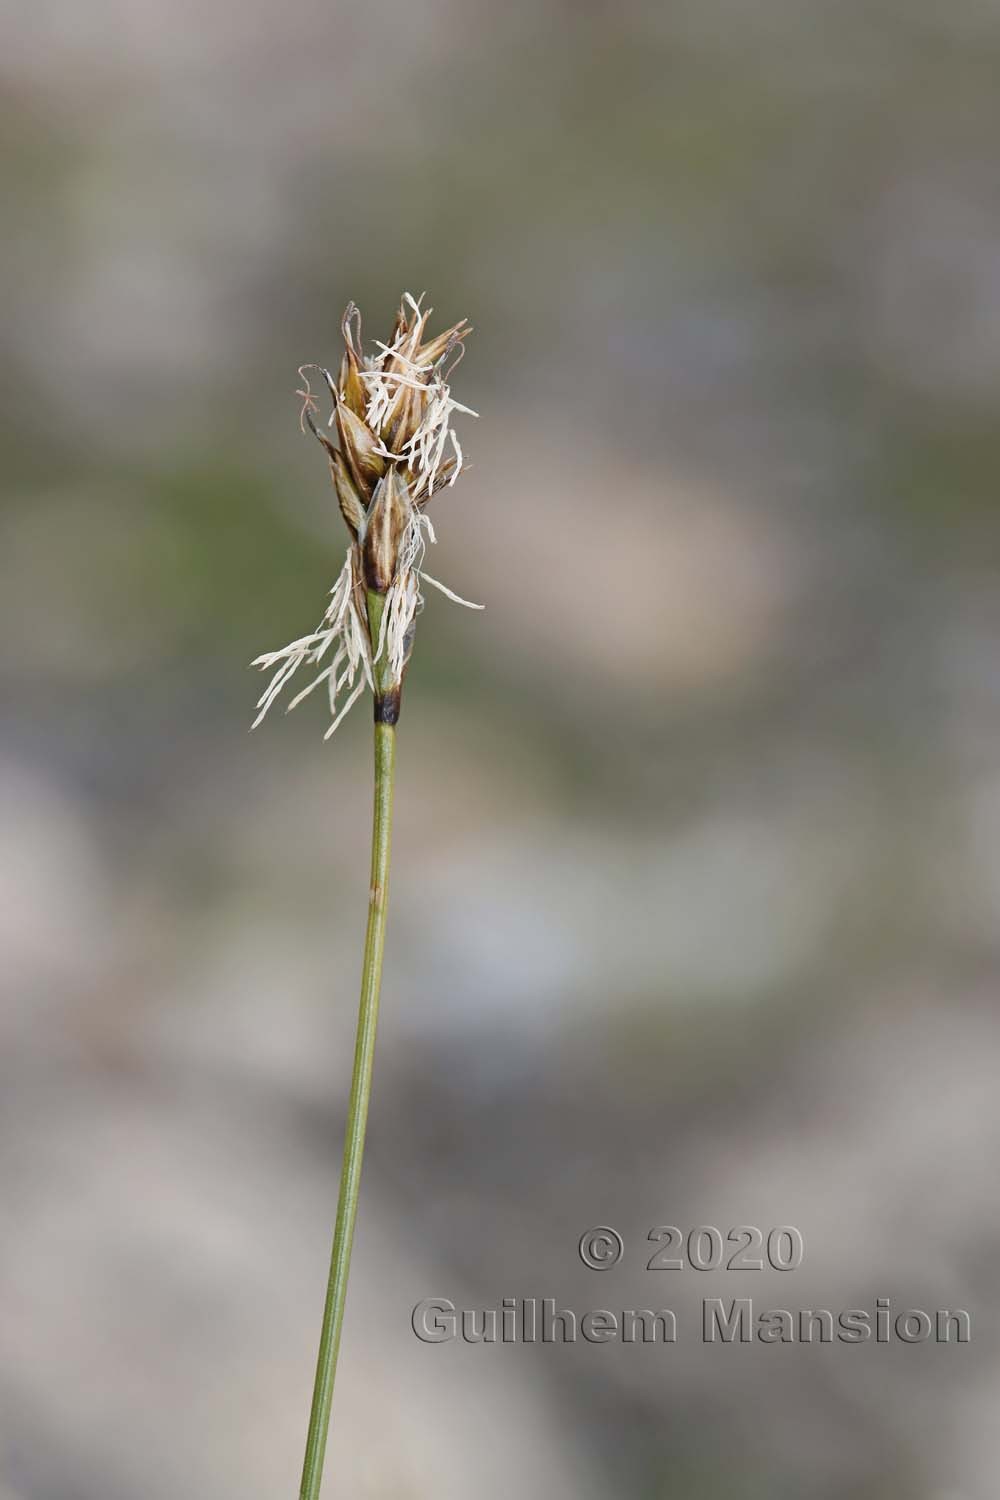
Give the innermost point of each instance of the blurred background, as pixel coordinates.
(696, 899)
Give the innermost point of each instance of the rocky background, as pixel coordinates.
(696, 900)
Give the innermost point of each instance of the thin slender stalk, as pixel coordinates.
(357, 1115)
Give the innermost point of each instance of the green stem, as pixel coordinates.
(357, 1115)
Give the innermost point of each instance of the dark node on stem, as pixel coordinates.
(387, 706)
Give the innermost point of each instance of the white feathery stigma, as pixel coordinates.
(342, 623)
(426, 450)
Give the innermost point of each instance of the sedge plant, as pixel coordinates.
(391, 446)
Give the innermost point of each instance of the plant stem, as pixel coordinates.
(357, 1115)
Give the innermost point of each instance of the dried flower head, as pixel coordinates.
(394, 448)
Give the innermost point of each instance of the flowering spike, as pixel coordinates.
(392, 411)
